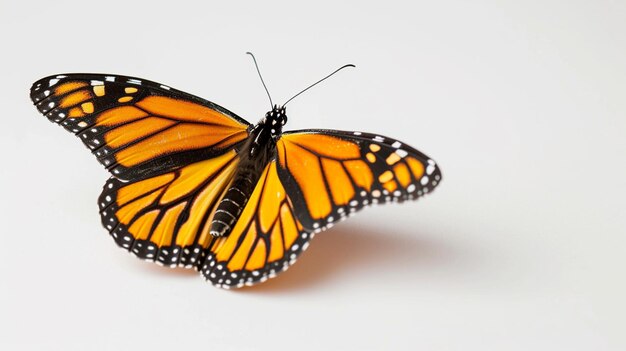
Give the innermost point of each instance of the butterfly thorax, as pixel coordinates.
(254, 155)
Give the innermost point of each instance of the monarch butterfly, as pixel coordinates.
(194, 185)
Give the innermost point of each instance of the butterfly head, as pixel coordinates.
(276, 118)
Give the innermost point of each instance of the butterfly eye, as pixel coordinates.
(284, 119)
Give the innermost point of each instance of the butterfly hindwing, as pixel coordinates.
(265, 241)
(166, 218)
(136, 127)
(331, 174)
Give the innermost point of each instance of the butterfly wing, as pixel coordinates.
(166, 218)
(135, 127)
(331, 174)
(265, 241)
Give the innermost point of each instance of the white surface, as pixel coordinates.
(520, 248)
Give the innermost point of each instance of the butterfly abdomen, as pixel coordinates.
(254, 156)
(233, 202)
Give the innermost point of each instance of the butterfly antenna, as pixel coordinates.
(319, 81)
(260, 76)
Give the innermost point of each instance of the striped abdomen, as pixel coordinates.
(234, 201)
(255, 155)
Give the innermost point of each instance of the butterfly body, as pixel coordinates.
(255, 154)
(194, 185)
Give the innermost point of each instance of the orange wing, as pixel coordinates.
(136, 127)
(331, 174)
(166, 218)
(265, 241)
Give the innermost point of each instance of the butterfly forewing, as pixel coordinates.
(137, 128)
(331, 174)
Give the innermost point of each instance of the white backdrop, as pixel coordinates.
(521, 247)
